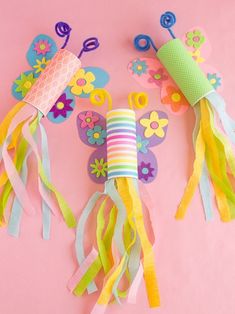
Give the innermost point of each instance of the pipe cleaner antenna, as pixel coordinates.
(18, 140)
(63, 29)
(214, 164)
(121, 236)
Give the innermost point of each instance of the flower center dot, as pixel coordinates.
(42, 46)
(88, 120)
(145, 170)
(81, 82)
(60, 105)
(139, 67)
(100, 167)
(157, 76)
(138, 145)
(96, 135)
(196, 39)
(213, 81)
(154, 125)
(176, 97)
(27, 84)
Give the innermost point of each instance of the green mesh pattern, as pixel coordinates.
(184, 70)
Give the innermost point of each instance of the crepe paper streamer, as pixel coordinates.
(121, 237)
(17, 139)
(214, 158)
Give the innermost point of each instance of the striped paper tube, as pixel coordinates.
(121, 144)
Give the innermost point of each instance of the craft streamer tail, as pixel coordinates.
(213, 149)
(18, 133)
(121, 237)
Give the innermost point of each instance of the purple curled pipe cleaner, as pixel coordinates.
(63, 30)
(89, 44)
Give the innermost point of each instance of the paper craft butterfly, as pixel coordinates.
(150, 73)
(151, 131)
(85, 80)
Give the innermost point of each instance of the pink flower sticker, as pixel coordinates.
(88, 119)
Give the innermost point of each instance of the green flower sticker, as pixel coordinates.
(195, 39)
(24, 83)
(99, 167)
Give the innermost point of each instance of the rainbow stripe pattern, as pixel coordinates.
(121, 144)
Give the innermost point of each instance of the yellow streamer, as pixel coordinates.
(195, 177)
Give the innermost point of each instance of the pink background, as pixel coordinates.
(195, 260)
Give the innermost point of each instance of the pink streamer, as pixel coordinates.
(45, 195)
(82, 270)
(132, 295)
(18, 186)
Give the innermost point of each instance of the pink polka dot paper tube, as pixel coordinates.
(53, 80)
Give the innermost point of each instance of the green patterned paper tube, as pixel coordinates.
(184, 70)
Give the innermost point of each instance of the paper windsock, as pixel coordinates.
(122, 157)
(214, 163)
(18, 139)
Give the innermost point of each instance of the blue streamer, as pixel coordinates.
(46, 212)
(79, 242)
(218, 103)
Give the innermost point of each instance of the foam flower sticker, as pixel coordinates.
(97, 135)
(157, 77)
(154, 125)
(82, 82)
(40, 65)
(88, 119)
(62, 108)
(99, 168)
(214, 79)
(196, 55)
(139, 67)
(145, 171)
(24, 83)
(195, 39)
(42, 47)
(142, 144)
(174, 98)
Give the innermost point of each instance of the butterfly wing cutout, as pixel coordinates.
(150, 73)
(198, 45)
(92, 132)
(151, 131)
(39, 54)
(82, 84)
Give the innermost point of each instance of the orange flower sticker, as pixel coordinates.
(174, 98)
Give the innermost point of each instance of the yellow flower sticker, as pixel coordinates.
(196, 55)
(81, 82)
(154, 125)
(41, 64)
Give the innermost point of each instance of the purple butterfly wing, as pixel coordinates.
(147, 167)
(151, 131)
(92, 131)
